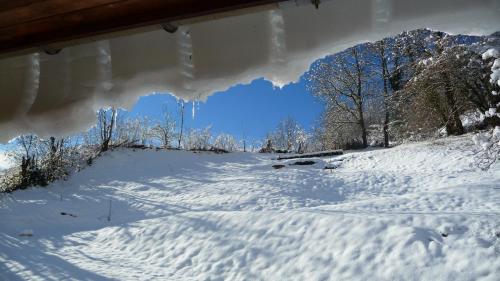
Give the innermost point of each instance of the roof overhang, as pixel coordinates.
(28, 26)
(63, 60)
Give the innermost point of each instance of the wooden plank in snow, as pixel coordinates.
(315, 154)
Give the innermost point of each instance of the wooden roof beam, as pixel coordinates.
(31, 25)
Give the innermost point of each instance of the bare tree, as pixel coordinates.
(288, 136)
(450, 83)
(106, 120)
(198, 139)
(28, 144)
(382, 53)
(343, 82)
(181, 104)
(55, 157)
(40, 162)
(164, 131)
(132, 131)
(225, 142)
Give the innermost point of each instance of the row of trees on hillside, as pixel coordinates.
(408, 86)
(41, 161)
(114, 130)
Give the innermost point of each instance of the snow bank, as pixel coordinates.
(59, 94)
(414, 212)
(5, 162)
(491, 53)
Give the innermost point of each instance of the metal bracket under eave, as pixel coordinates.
(169, 27)
(316, 3)
(51, 51)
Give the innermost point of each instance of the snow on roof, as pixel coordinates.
(59, 94)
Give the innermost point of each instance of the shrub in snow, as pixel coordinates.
(488, 148)
(268, 147)
(164, 130)
(41, 161)
(197, 139)
(288, 136)
(492, 58)
(225, 142)
(491, 53)
(489, 142)
(472, 120)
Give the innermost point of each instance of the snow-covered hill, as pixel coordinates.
(414, 212)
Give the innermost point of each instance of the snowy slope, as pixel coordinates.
(5, 163)
(414, 212)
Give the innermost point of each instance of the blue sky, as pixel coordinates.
(253, 109)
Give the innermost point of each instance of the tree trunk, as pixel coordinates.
(108, 131)
(457, 127)
(363, 127)
(24, 172)
(105, 145)
(381, 48)
(386, 129)
(386, 106)
(359, 101)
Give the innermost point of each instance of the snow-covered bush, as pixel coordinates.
(492, 58)
(41, 161)
(225, 142)
(488, 148)
(163, 131)
(288, 136)
(489, 142)
(136, 131)
(198, 139)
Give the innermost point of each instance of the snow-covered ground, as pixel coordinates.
(5, 162)
(414, 212)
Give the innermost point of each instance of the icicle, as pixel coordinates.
(381, 14)
(278, 54)
(105, 67)
(186, 56)
(278, 43)
(33, 85)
